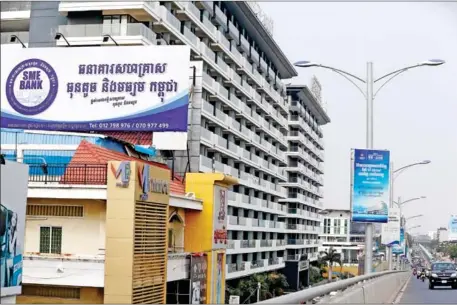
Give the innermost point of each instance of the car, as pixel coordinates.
(443, 274)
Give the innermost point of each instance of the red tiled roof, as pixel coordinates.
(136, 137)
(88, 166)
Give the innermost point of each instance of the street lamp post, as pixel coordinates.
(394, 174)
(400, 204)
(370, 96)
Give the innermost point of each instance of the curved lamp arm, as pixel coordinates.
(397, 71)
(350, 80)
(342, 72)
(388, 80)
(399, 170)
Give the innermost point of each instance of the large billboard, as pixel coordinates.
(391, 231)
(131, 88)
(14, 186)
(452, 228)
(370, 185)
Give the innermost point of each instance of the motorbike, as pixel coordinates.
(423, 277)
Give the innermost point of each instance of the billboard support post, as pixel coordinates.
(370, 192)
(369, 226)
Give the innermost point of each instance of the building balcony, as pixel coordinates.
(15, 15)
(239, 223)
(302, 169)
(7, 36)
(254, 246)
(140, 10)
(243, 269)
(254, 203)
(86, 271)
(92, 34)
(300, 198)
(249, 180)
(298, 152)
(296, 136)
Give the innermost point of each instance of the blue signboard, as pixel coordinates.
(399, 248)
(370, 189)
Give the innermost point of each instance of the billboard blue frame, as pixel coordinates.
(370, 185)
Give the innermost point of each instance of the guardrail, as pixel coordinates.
(306, 295)
(427, 253)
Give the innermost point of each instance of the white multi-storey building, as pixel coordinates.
(341, 234)
(305, 170)
(240, 119)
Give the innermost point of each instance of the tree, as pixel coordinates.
(271, 285)
(452, 250)
(331, 257)
(315, 275)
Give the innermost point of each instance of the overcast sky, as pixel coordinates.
(415, 115)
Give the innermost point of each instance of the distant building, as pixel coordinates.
(443, 235)
(433, 234)
(345, 236)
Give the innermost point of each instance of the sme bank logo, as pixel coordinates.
(150, 185)
(122, 173)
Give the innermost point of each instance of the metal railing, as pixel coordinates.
(85, 174)
(309, 294)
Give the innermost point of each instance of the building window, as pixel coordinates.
(52, 210)
(51, 240)
(51, 291)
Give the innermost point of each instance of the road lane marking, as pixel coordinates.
(402, 290)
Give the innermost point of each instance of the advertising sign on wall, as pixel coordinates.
(220, 218)
(198, 278)
(400, 248)
(218, 276)
(370, 185)
(452, 228)
(14, 186)
(391, 231)
(95, 89)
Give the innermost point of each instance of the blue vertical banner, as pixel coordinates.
(370, 189)
(400, 248)
(453, 228)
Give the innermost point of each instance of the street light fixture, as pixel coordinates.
(414, 227)
(369, 97)
(400, 203)
(415, 216)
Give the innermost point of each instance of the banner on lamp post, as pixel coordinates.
(370, 185)
(391, 231)
(400, 248)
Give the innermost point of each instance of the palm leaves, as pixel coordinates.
(330, 257)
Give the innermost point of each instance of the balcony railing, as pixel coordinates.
(98, 30)
(6, 36)
(14, 6)
(86, 174)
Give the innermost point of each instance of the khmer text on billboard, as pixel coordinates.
(131, 88)
(370, 185)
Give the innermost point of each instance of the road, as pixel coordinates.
(417, 292)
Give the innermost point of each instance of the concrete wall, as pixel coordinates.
(80, 235)
(379, 290)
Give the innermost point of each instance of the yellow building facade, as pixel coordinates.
(128, 237)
